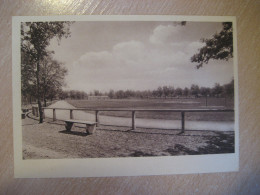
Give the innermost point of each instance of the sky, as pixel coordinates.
(138, 55)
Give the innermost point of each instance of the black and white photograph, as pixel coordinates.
(126, 89)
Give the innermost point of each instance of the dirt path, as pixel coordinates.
(140, 122)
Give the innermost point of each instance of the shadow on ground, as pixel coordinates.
(83, 134)
(216, 145)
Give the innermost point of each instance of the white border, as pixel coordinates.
(101, 167)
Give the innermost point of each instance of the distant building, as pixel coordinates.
(98, 97)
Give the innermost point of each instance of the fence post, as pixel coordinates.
(182, 121)
(97, 118)
(71, 114)
(133, 120)
(54, 114)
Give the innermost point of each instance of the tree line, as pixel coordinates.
(218, 90)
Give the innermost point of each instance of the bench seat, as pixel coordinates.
(90, 125)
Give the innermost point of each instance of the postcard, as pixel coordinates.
(101, 96)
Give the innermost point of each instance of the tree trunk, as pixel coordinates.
(44, 96)
(44, 85)
(45, 102)
(38, 90)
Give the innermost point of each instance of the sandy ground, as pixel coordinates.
(51, 140)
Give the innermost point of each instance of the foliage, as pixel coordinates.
(52, 76)
(97, 93)
(218, 90)
(73, 94)
(185, 92)
(219, 47)
(178, 91)
(194, 90)
(35, 38)
(229, 89)
(28, 78)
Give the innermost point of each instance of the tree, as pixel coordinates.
(166, 91)
(51, 77)
(78, 95)
(217, 90)
(129, 93)
(97, 93)
(229, 89)
(195, 90)
(219, 47)
(35, 37)
(72, 94)
(154, 93)
(147, 93)
(63, 95)
(83, 94)
(172, 91)
(178, 91)
(111, 94)
(160, 91)
(28, 79)
(204, 91)
(120, 94)
(186, 91)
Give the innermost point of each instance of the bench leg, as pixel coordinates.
(23, 115)
(90, 129)
(68, 126)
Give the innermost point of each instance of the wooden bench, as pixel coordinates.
(24, 110)
(90, 126)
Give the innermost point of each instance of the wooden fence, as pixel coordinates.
(181, 111)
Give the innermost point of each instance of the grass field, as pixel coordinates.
(191, 103)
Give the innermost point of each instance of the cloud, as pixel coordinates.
(163, 34)
(94, 59)
(132, 50)
(140, 65)
(128, 65)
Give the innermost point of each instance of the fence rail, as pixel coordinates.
(182, 111)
